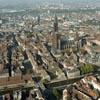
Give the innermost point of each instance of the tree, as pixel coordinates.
(87, 68)
(56, 93)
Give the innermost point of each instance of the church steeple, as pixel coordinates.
(38, 20)
(55, 24)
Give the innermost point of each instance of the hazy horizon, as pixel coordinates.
(26, 3)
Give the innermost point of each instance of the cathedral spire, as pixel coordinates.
(38, 20)
(55, 24)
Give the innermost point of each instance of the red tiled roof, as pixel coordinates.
(14, 80)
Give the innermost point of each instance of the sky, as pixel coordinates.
(33, 2)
